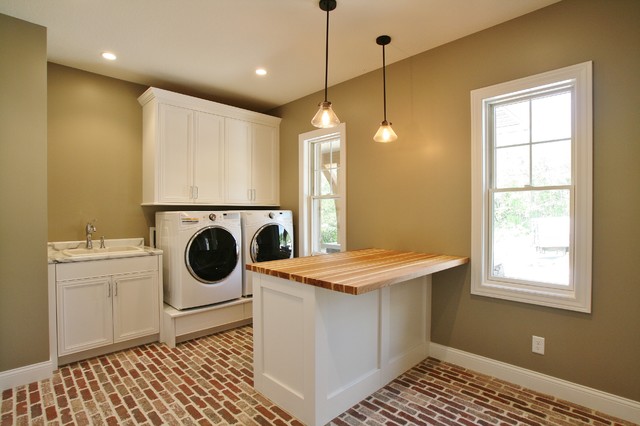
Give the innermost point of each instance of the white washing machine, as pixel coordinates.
(266, 235)
(202, 257)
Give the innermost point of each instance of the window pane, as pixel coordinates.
(552, 163)
(551, 117)
(512, 167)
(512, 124)
(325, 225)
(326, 162)
(531, 236)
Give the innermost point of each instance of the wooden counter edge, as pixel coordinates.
(369, 284)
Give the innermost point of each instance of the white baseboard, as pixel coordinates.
(25, 375)
(623, 408)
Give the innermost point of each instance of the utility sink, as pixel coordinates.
(77, 251)
(99, 252)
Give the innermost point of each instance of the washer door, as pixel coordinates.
(212, 254)
(271, 242)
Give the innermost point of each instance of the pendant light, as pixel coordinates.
(325, 117)
(385, 133)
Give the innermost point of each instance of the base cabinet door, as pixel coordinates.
(106, 302)
(135, 306)
(84, 314)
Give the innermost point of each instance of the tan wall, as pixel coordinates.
(415, 194)
(411, 195)
(24, 332)
(95, 155)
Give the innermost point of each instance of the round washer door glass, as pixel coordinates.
(271, 242)
(212, 254)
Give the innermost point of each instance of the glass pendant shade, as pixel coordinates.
(325, 117)
(385, 133)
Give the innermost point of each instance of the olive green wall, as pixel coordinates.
(95, 155)
(415, 194)
(24, 332)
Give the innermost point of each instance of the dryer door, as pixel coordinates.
(212, 254)
(271, 242)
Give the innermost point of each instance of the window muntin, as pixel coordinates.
(532, 189)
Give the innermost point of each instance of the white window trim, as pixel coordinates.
(579, 297)
(304, 226)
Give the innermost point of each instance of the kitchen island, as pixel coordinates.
(330, 330)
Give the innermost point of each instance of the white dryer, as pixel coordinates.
(202, 258)
(266, 235)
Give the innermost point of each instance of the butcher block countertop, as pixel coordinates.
(358, 271)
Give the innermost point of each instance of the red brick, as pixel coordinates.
(155, 418)
(280, 412)
(265, 412)
(51, 413)
(139, 416)
(195, 414)
(7, 394)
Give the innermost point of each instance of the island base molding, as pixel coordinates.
(318, 352)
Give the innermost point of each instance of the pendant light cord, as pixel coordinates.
(384, 84)
(326, 58)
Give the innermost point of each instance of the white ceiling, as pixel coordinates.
(213, 47)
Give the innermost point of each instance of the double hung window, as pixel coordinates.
(531, 189)
(322, 191)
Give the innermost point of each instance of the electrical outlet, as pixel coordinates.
(537, 345)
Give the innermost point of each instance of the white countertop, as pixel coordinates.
(56, 250)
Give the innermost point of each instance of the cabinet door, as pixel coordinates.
(84, 314)
(208, 159)
(136, 310)
(264, 165)
(175, 154)
(238, 161)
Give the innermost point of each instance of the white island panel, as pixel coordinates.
(318, 352)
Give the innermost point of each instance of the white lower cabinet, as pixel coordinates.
(104, 302)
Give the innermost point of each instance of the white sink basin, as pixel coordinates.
(100, 252)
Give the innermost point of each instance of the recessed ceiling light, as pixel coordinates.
(261, 71)
(109, 56)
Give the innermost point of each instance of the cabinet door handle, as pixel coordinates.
(195, 192)
(109, 291)
(115, 289)
(249, 194)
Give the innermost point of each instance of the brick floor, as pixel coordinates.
(208, 381)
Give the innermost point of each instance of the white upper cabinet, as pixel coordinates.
(202, 152)
(252, 163)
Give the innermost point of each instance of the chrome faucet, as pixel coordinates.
(90, 228)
